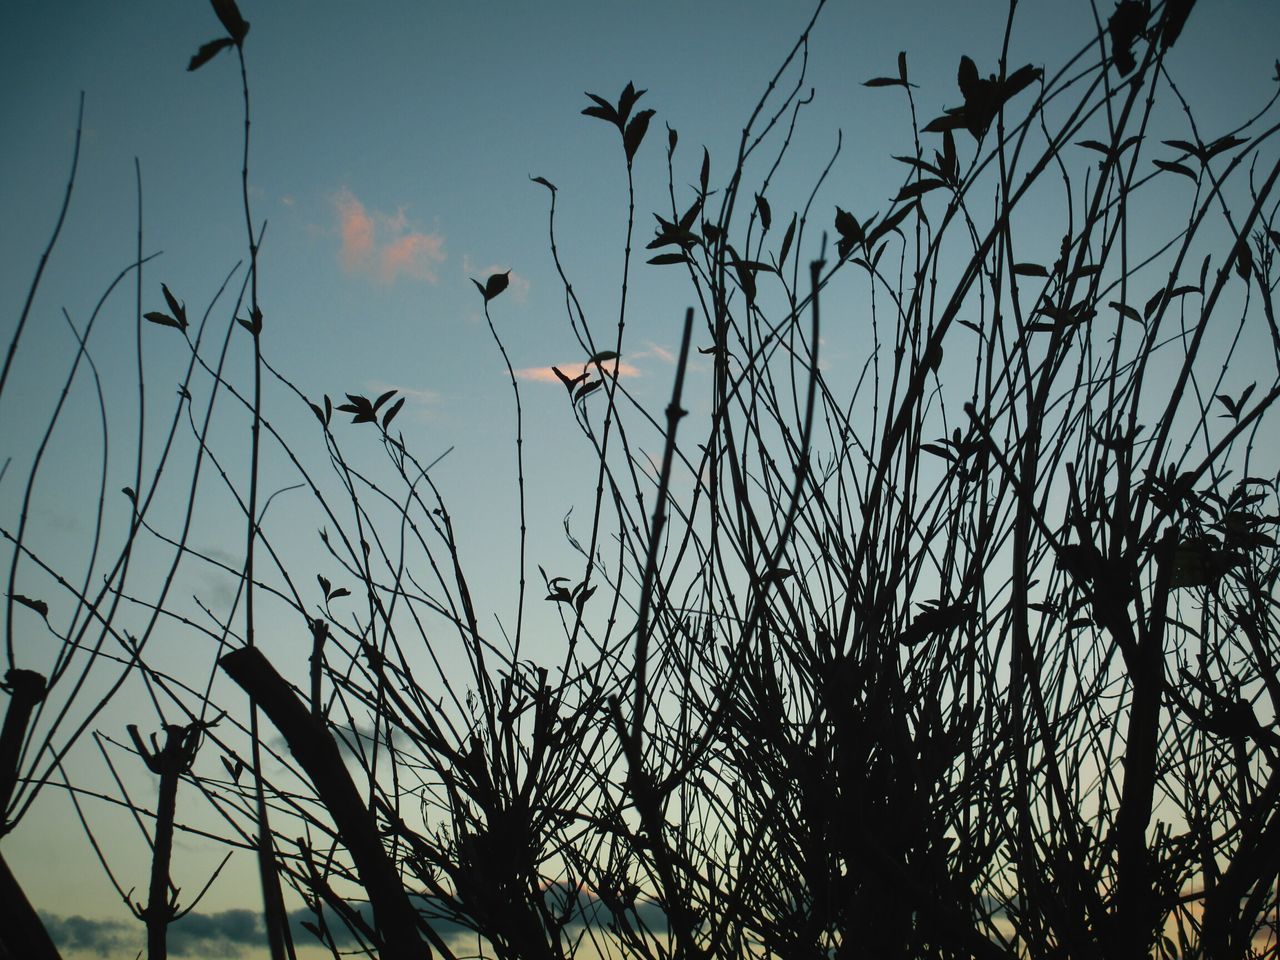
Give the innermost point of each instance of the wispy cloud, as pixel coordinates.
(383, 245)
(662, 353)
(420, 401)
(573, 368)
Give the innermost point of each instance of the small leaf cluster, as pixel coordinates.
(362, 409)
(559, 592)
(581, 386)
(983, 98)
(632, 128)
(177, 315)
(237, 28)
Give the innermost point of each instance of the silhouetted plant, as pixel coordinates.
(964, 653)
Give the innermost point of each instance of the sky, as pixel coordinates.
(392, 149)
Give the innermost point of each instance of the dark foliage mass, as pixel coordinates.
(909, 653)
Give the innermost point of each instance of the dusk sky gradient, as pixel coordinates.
(392, 149)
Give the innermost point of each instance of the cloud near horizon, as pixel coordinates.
(382, 245)
(236, 933)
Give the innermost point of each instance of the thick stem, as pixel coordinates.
(317, 753)
(26, 691)
(22, 935)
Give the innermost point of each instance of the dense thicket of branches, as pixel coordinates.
(960, 653)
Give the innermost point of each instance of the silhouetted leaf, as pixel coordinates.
(360, 408)
(1152, 304)
(626, 100)
(1244, 259)
(1125, 26)
(1126, 310)
(663, 259)
(377, 404)
(1095, 145)
(229, 15)
(762, 208)
(545, 182)
(1088, 270)
(1030, 270)
(254, 323)
(672, 139)
(569, 382)
(967, 78)
(884, 82)
(604, 356)
(1174, 167)
(164, 320)
(1199, 562)
(983, 98)
(1236, 407)
(790, 235)
(208, 51)
(493, 286)
(39, 606)
(917, 189)
(921, 165)
(1244, 396)
(690, 215)
(704, 176)
(391, 413)
(582, 598)
(891, 222)
(325, 585)
(952, 120)
(902, 65)
(948, 161)
(850, 232)
(234, 769)
(343, 591)
(315, 408)
(602, 109)
(934, 620)
(587, 388)
(1186, 147)
(1175, 16)
(636, 130)
(938, 451)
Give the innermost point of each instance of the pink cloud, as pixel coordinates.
(383, 245)
(414, 254)
(357, 229)
(547, 375)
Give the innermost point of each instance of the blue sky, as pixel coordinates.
(392, 148)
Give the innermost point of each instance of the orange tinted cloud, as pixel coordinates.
(382, 245)
(357, 229)
(414, 254)
(547, 375)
